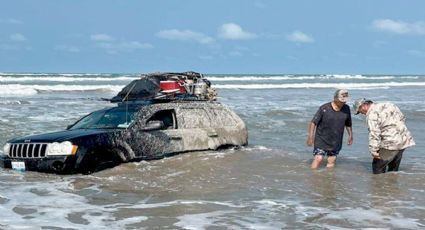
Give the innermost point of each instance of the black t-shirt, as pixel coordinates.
(330, 126)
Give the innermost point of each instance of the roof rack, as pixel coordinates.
(168, 86)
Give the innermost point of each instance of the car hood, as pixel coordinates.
(61, 135)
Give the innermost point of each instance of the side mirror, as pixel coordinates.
(153, 125)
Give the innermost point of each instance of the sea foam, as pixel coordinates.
(7, 79)
(25, 90)
(319, 85)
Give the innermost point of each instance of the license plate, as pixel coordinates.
(18, 165)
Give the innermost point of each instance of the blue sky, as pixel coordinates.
(220, 36)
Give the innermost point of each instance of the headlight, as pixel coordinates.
(63, 148)
(6, 149)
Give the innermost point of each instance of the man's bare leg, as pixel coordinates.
(331, 162)
(316, 161)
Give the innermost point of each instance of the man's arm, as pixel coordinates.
(311, 132)
(374, 134)
(350, 134)
(313, 125)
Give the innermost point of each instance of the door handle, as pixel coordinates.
(175, 137)
(212, 134)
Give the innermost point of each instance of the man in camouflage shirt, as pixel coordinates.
(388, 134)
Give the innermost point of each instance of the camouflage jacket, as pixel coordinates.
(387, 129)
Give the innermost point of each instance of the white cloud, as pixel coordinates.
(298, 36)
(66, 48)
(8, 47)
(399, 27)
(14, 46)
(235, 53)
(101, 38)
(206, 57)
(185, 35)
(112, 46)
(260, 5)
(417, 53)
(10, 21)
(126, 46)
(17, 38)
(134, 45)
(233, 31)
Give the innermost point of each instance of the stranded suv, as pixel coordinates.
(159, 115)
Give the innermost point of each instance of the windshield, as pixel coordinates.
(107, 119)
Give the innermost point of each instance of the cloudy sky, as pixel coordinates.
(216, 36)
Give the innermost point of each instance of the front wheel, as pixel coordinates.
(98, 161)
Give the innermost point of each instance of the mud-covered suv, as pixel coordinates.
(130, 131)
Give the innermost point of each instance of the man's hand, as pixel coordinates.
(376, 156)
(310, 141)
(350, 140)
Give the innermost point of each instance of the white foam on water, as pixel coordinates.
(174, 174)
(309, 77)
(351, 217)
(17, 89)
(58, 74)
(201, 220)
(6, 79)
(366, 217)
(14, 102)
(183, 202)
(45, 118)
(320, 85)
(131, 220)
(256, 148)
(50, 204)
(368, 77)
(54, 206)
(260, 78)
(12, 90)
(217, 154)
(82, 74)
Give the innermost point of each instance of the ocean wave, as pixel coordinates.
(312, 77)
(64, 79)
(27, 90)
(17, 102)
(259, 78)
(10, 78)
(365, 77)
(320, 85)
(22, 89)
(55, 74)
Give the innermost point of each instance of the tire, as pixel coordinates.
(98, 161)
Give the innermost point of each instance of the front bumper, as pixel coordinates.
(56, 164)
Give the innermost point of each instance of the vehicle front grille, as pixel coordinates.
(30, 150)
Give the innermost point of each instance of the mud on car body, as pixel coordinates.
(129, 131)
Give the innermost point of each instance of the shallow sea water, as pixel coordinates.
(265, 185)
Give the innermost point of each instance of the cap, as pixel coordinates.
(341, 95)
(357, 103)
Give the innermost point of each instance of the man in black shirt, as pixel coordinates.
(326, 129)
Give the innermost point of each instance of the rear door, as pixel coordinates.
(195, 125)
(225, 126)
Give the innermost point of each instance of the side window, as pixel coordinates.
(167, 117)
(222, 118)
(195, 118)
